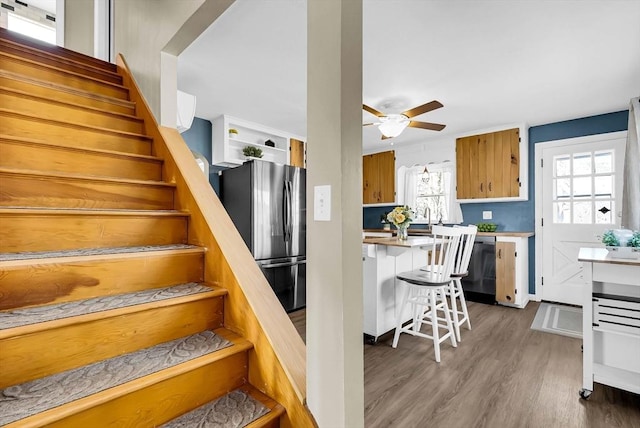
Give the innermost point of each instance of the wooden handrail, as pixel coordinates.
(277, 363)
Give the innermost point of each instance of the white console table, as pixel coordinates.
(610, 321)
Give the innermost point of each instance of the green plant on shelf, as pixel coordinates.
(252, 151)
(609, 239)
(635, 240)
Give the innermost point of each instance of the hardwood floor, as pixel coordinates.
(503, 374)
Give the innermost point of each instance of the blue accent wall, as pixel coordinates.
(520, 216)
(198, 138)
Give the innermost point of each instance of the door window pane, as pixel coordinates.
(582, 164)
(582, 212)
(561, 212)
(563, 187)
(603, 186)
(582, 187)
(603, 162)
(563, 166)
(604, 211)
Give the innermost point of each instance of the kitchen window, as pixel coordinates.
(431, 188)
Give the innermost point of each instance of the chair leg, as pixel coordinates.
(434, 324)
(447, 317)
(405, 296)
(454, 309)
(463, 302)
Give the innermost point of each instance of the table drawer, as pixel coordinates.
(614, 313)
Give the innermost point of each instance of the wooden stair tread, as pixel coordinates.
(76, 125)
(245, 406)
(96, 110)
(59, 175)
(65, 72)
(64, 88)
(88, 254)
(58, 51)
(33, 141)
(58, 395)
(109, 72)
(89, 211)
(29, 320)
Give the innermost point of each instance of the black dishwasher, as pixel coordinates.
(480, 284)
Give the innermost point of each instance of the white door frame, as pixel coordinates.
(539, 147)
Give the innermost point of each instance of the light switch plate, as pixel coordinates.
(487, 215)
(322, 203)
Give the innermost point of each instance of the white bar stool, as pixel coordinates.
(425, 290)
(460, 270)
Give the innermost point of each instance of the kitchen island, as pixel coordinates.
(383, 258)
(610, 321)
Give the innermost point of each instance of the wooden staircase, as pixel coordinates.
(92, 217)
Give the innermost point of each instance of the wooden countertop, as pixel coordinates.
(413, 241)
(601, 255)
(422, 232)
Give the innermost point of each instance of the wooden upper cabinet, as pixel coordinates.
(297, 153)
(378, 178)
(488, 165)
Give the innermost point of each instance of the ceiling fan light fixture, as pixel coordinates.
(392, 125)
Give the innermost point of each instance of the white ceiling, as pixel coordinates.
(489, 62)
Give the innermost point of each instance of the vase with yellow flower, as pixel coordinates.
(401, 218)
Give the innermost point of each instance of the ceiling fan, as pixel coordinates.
(392, 125)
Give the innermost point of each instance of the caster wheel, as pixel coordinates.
(585, 394)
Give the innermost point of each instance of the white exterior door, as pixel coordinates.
(579, 197)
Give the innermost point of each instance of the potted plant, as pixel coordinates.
(252, 152)
(622, 243)
(233, 133)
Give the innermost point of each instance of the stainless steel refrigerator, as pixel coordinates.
(267, 203)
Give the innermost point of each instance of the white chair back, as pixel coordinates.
(441, 255)
(466, 247)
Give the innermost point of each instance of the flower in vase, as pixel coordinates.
(401, 216)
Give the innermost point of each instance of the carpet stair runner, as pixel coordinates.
(105, 318)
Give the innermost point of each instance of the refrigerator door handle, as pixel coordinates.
(285, 212)
(290, 208)
(285, 264)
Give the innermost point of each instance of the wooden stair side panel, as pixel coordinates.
(38, 70)
(72, 135)
(23, 153)
(102, 335)
(157, 403)
(51, 230)
(56, 50)
(18, 188)
(49, 108)
(59, 62)
(63, 93)
(38, 282)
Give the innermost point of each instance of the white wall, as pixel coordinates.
(78, 26)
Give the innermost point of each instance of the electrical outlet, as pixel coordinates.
(322, 203)
(487, 215)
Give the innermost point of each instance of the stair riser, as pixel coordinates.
(43, 157)
(164, 401)
(26, 284)
(56, 50)
(48, 90)
(57, 62)
(18, 190)
(86, 343)
(32, 232)
(72, 136)
(50, 109)
(43, 72)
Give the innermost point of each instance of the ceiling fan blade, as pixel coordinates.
(416, 111)
(370, 123)
(427, 125)
(384, 137)
(373, 111)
